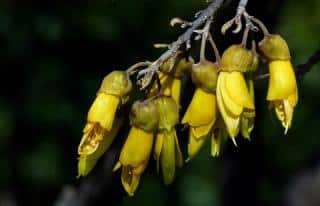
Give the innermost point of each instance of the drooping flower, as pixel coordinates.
(233, 96)
(283, 91)
(167, 151)
(136, 151)
(113, 92)
(202, 111)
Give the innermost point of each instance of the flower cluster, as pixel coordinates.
(222, 107)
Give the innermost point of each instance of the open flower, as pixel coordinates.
(113, 92)
(232, 92)
(283, 91)
(136, 151)
(202, 111)
(87, 162)
(167, 150)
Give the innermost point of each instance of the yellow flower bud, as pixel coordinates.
(233, 98)
(87, 162)
(144, 115)
(134, 158)
(236, 58)
(170, 86)
(183, 66)
(170, 78)
(176, 66)
(274, 47)
(117, 83)
(204, 75)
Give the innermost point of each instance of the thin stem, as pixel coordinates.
(205, 33)
(245, 36)
(261, 25)
(206, 14)
(215, 49)
(203, 48)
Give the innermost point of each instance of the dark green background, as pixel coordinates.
(53, 57)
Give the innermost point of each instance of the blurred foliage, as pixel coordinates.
(54, 55)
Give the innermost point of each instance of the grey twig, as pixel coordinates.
(206, 14)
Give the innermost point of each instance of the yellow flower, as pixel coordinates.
(170, 76)
(87, 162)
(282, 92)
(134, 158)
(202, 111)
(136, 151)
(233, 97)
(167, 150)
(113, 92)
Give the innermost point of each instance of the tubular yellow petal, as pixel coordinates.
(166, 83)
(103, 110)
(194, 145)
(282, 81)
(247, 125)
(237, 89)
(176, 90)
(284, 112)
(232, 122)
(158, 148)
(87, 162)
(289, 114)
(93, 135)
(202, 109)
(215, 145)
(293, 98)
(167, 159)
(137, 147)
(130, 180)
(231, 106)
(117, 166)
(201, 131)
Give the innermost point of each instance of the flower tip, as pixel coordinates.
(187, 160)
(116, 167)
(234, 141)
(215, 154)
